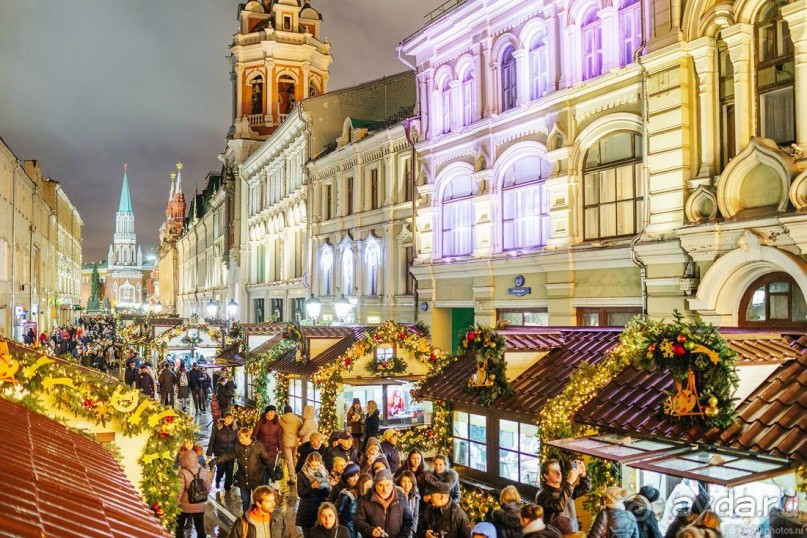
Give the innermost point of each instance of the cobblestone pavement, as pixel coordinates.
(224, 508)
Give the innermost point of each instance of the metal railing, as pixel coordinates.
(443, 8)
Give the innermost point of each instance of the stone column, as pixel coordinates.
(705, 57)
(522, 76)
(552, 40)
(425, 103)
(269, 90)
(487, 103)
(239, 90)
(306, 78)
(457, 104)
(794, 14)
(479, 84)
(738, 38)
(609, 36)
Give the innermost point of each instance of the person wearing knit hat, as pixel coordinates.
(641, 506)
(443, 517)
(483, 530)
(346, 497)
(619, 522)
(384, 510)
(390, 449)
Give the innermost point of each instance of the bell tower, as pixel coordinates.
(278, 58)
(171, 229)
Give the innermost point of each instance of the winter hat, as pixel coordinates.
(484, 528)
(343, 435)
(372, 441)
(380, 476)
(269, 408)
(650, 493)
(389, 433)
(287, 409)
(334, 437)
(350, 470)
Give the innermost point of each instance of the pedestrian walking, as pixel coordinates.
(557, 496)
(355, 421)
(263, 519)
(389, 447)
(314, 444)
(384, 510)
(168, 381)
(614, 521)
(195, 384)
(189, 469)
(223, 440)
(408, 483)
(533, 525)
(443, 517)
(145, 381)
(309, 424)
(312, 489)
(183, 388)
(328, 524)
(291, 425)
(372, 422)
(251, 461)
(269, 433)
(443, 473)
(507, 518)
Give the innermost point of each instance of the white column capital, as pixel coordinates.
(794, 14)
(738, 37)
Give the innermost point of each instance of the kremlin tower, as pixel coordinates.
(125, 276)
(170, 232)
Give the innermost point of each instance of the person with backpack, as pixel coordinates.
(184, 389)
(614, 521)
(194, 487)
(507, 518)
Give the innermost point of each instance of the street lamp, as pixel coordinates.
(232, 309)
(212, 308)
(342, 307)
(313, 307)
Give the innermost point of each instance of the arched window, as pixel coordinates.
(257, 95)
(525, 204)
(630, 29)
(445, 104)
(612, 187)
(509, 85)
(458, 216)
(773, 300)
(539, 67)
(468, 97)
(775, 69)
(591, 32)
(348, 271)
(326, 268)
(372, 257)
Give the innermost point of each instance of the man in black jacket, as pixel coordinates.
(557, 496)
(443, 518)
(344, 449)
(223, 441)
(252, 460)
(195, 385)
(384, 510)
(314, 444)
(389, 446)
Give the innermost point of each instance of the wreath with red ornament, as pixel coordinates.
(489, 381)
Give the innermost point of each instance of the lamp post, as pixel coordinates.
(313, 307)
(342, 307)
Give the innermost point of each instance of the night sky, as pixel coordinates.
(89, 84)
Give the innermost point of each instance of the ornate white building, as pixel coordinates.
(126, 276)
(578, 166)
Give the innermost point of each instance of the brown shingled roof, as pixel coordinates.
(64, 484)
(772, 420)
(347, 337)
(542, 381)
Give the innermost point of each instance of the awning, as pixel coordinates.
(723, 467)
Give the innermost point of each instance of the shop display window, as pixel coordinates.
(402, 410)
(296, 395)
(470, 441)
(314, 397)
(518, 452)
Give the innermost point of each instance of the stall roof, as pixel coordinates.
(771, 420)
(64, 484)
(714, 465)
(567, 349)
(269, 345)
(347, 337)
(232, 356)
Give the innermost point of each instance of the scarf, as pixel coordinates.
(384, 502)
(535, 525)
(320, 474)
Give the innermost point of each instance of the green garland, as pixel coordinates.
(435, 436)
(258, 369)
(477, 503)
(487, 347)
(393, 365)
(281, 390)
(90, 395)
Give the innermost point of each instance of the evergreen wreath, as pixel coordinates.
(487, 347)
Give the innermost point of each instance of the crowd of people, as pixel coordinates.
(91, 340)
(353, 485)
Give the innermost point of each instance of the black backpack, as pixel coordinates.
(197, 492)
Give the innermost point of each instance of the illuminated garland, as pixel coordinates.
(281, 390)
(436, 436)
(161, 341)
(245, 417)
(258, 369)
(329, 378)
(90, 395)
(487, 347)
(477, 503)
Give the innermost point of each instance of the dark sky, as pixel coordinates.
(88, 84)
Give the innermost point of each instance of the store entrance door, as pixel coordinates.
(461, 320)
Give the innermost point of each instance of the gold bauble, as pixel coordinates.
(713, 401)
(168, 428)
(711, 411)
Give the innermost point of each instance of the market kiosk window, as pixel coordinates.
(394, 400)
(296, 395)
(518, 452)
(313, 397)
(470, 441)
(384, 352)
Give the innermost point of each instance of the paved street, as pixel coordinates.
(224, 508)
